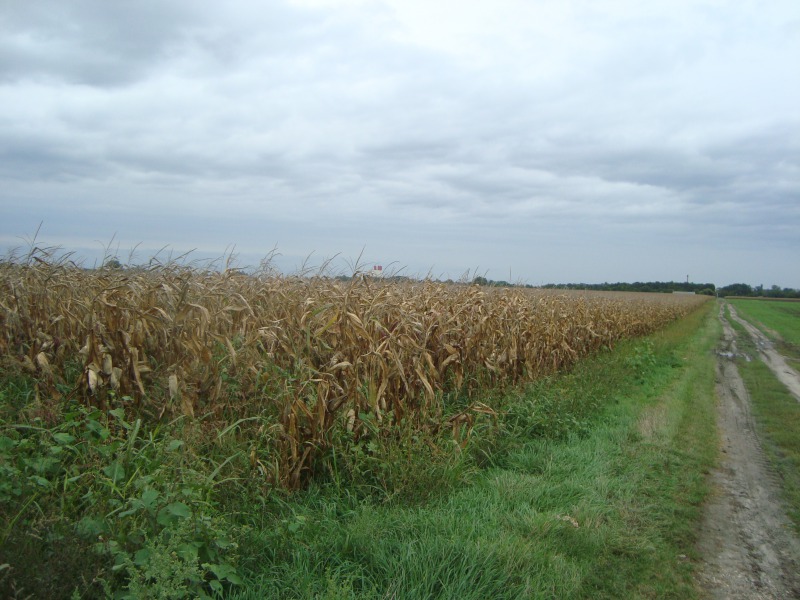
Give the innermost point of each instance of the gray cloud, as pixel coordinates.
(591, 141)
(88, 42)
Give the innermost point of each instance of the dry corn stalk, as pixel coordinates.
(317, 353)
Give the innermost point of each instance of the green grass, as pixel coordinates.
(777, 415)
(600, 502)
(773, 317)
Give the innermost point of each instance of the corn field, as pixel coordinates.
(316, 354)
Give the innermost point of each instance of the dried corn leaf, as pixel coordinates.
(173, 387)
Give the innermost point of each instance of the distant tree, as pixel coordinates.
(480, 281)
(736, 289)
(113, 263)
(778, 292)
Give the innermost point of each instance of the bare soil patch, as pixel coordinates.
(748, 547)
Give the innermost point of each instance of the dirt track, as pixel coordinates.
(746, 540)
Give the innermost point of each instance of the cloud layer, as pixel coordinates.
(558, 141)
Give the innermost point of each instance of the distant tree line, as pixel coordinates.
(743, 289)
(664, 287)
(735, 289)
(484, 281)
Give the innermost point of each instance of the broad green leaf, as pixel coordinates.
(40, 481)
(179, 509)
(149, 498)
(174, 445)
(172, 512)
(127, 513)
(188, 551)
(63, 438)
(142, 556)
(225, 571)
(91, 526)
(115, 471)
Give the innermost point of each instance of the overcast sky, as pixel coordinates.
(545, 141)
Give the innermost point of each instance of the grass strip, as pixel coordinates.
(780, 321)
(603, 504)
(777, 416)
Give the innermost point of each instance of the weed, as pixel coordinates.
(130, 496)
